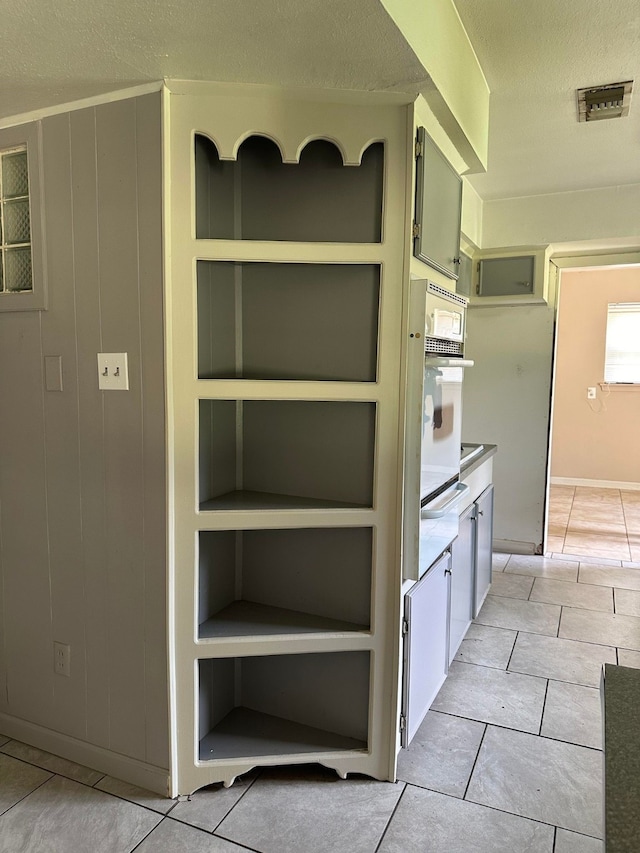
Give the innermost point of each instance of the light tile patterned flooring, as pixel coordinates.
(507, 761)
(594, 522)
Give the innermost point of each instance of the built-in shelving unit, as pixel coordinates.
(287, 255)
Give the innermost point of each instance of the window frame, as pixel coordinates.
(631, 308)
(36, 299)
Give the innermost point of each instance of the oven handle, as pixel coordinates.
(440, 361)
(460, 490)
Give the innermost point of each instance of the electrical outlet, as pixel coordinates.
(113, 371)
(591, 393)
(62, 659)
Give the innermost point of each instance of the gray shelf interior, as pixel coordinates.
(303, 453)
(288, 321)
(261, 582)
(283, 704)
(258, 197)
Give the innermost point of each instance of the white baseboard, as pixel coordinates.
(122, 767)
(595, 484)
(511, 546)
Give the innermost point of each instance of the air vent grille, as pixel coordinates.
(438, 346)
(602, 102)
(445, 294)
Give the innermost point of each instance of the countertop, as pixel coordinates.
(620, 691)
(476, 461)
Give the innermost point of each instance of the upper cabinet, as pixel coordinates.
(510, 276)
(436, 228)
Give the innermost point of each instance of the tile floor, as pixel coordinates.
(508, 760)
(595, 522)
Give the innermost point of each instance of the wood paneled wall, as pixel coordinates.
(82, 471)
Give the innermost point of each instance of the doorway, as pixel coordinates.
(593, 501)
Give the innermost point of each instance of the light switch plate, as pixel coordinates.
(113, 371)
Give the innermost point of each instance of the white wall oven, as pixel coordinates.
(435, 373)
(436, 366)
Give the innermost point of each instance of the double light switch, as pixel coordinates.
(113, 371)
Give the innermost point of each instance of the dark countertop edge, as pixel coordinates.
(472, 464)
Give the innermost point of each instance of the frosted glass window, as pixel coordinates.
(622, 349)
(15, 225)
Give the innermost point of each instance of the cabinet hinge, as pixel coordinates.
(419, 151)
(403, 723)
(405, 627)
(415, 231)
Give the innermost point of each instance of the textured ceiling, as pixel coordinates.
(535, 54)
(56, 51)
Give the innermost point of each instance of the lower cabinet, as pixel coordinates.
(462, 580)
(484, 547)
(471, 559)
(426, 635)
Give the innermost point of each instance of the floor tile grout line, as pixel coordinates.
(258, 775)
(142, 840)
(475, 761)
(47, 770)
(27, 795)
(513, 814)
(84, 784)
(532, 819)
(391, 816)
(513, 648)
(544, 705)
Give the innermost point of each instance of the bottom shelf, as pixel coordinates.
(244, 732)
(283, 705)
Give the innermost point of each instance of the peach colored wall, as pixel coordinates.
(593, 439)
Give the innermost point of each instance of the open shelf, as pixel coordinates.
(244, 732)
(293, 581)
(283, 705)
(288, 321)
(258, 197)
(286, 454)
(248, 619)
(244, 499)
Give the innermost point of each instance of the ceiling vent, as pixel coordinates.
(600, 102)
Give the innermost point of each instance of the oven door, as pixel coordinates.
(441, 424)
(438, 525)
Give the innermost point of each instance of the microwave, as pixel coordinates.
(445, 315)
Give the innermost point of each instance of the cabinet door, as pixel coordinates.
(438, 209)
(484, 546)
(506, 276)
(462, 581)
(426, 643)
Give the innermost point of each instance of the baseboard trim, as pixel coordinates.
(122, 767)
(511, 546)
(597, 484)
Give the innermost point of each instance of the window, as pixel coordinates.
(15, 227)
(22, 269)
(622, 349)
